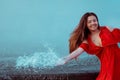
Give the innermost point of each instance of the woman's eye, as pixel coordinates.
(94, 20)
(89, 21)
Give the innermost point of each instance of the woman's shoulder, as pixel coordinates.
(85, 41)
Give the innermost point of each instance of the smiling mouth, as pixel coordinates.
(94, 26)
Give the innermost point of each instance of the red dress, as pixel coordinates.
(108, 54)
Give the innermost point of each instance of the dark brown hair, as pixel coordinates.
(81, 32)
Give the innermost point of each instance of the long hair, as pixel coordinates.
(81, 32)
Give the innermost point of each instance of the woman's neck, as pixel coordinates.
(95, 32)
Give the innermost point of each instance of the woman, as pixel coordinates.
(101, 41)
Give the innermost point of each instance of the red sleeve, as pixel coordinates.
(84, 46)
(116, 34)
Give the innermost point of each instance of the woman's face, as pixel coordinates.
(92, 23)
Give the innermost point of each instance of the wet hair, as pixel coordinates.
(81, 32)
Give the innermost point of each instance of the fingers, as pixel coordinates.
(60, 62)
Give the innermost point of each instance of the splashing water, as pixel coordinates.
(38, 60)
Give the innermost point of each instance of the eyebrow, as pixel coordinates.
(91, 20)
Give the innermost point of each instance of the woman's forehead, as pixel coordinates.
(91, 17)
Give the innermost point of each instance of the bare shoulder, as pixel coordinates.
(110, 28)
(85, 41)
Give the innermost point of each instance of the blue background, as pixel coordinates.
(27, 26)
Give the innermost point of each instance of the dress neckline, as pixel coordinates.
(99, 37)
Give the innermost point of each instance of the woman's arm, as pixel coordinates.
(74, 54)
(71, 56)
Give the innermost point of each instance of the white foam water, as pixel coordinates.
(38, 60)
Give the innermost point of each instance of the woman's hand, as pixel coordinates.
(73, 55)
(60, 62)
